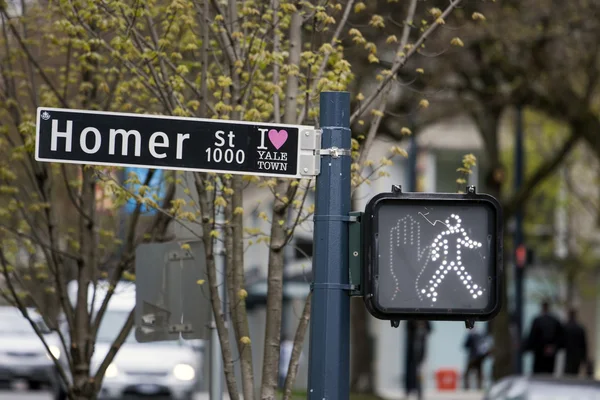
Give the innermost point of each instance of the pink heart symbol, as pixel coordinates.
(278, 138)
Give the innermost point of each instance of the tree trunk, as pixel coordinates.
(488, 121)
(297, 349)
(83, 391)
(239, 315)
(208, 216)
(274, 297)
(82, 345)
(503, 351)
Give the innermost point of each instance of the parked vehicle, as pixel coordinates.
(544, 387)
(23, 355)
(166, 368)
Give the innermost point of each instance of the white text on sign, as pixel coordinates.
(272, 160)
(157, 140)
(216, 154)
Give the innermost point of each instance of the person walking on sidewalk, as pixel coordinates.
(575, 345)
(546, 337)
(416, 351)
(478, 348)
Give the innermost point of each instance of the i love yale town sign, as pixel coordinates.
(178, 143)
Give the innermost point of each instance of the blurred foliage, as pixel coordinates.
(240, 60)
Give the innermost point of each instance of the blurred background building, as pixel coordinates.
(440, 148)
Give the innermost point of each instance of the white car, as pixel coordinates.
(22, 353)
(169, 368)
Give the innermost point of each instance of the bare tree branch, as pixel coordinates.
(297, 350)
(126, 259)
(25, 313)
(31, 59)
(542, 172)
(370, 139)
(222, 330)
(367, 102)
(323, 65)
(114, 348)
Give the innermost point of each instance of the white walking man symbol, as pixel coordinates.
(455, 235)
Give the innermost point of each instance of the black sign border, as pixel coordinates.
(300, 128)
(369, 226)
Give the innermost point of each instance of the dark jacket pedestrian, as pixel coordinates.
(546, 337)
(416, 350)
(478, 348)
(575, 345)
(590, 368)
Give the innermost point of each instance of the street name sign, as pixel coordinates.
(178, 143)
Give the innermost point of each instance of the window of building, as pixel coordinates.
(303, 248)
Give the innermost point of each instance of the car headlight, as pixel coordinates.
(55, 351)
(184, 372)
(111, 371)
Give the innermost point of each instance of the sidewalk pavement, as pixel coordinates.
(435, 395)
(399, 395)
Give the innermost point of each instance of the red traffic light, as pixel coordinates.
(521, 256)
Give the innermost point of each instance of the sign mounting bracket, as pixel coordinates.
(334, 152)
(355, 253)
(311, 152)
(310, 146)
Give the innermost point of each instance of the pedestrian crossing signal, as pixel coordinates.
(433, 256)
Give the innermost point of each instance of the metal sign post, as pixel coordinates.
(329, 363)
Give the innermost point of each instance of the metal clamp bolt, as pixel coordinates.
(334, 152)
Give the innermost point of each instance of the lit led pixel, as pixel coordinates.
(432, 257)
(449, 263)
